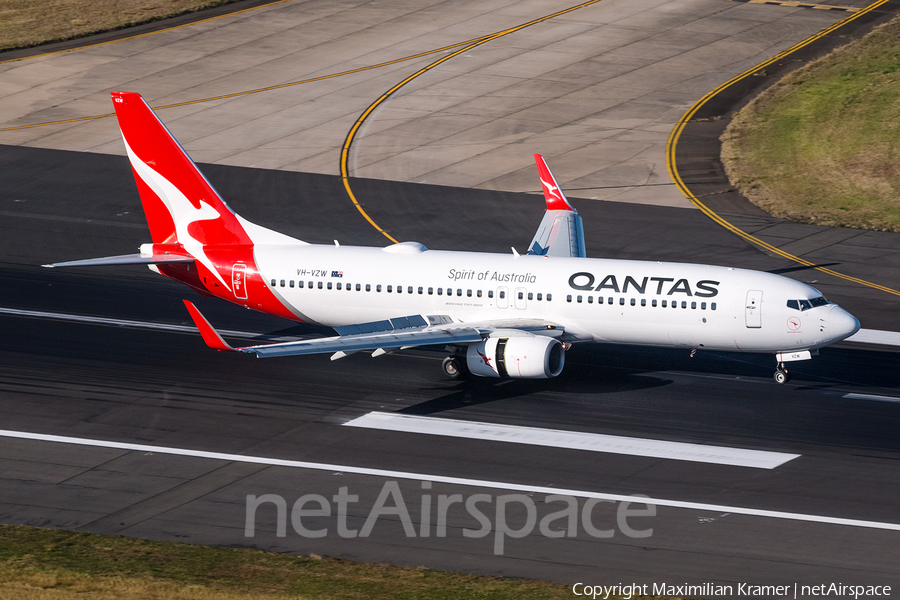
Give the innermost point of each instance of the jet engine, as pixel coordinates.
(517, 356)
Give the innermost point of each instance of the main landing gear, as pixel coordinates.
(455, 367)
(781, 374)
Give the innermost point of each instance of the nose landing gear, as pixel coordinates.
(781, 374)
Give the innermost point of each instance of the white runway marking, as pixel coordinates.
(871, 397)
(773, 514)
(573, 440)
(875, 336)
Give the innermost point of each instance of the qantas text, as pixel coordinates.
(645, 285)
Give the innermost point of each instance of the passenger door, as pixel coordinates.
(753, 309)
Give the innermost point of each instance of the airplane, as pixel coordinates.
(499, 315)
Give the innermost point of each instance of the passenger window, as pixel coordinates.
(431, 291)
(378, 288)
(273, 283)
(468, 293)
(643, 302)
(684, 304)
(522, 296)
(339, 285)
(549, 297)
(713, 306)
(358, 287)
(310, 285)
(282, 283)
(540, 296)
(502, 294)
(479, 293)
(693, 305)
(590, 299)
(410, 291)
(632, 302)
(621, 301)
(569, 298)
(653, 303)
(490, 293)
(440, 291)
(300, 285)
(664, 303)
(389, 289)
(368, 287)
(329, 285)
(579, 299)
(291, 283)
(458, 292)
(320, 285)
(703, 306)
(421, 289)
(609, 300)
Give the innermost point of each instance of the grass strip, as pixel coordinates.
(51, 563)
(27, 23)
(822, 145)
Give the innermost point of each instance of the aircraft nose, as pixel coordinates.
(842, 324)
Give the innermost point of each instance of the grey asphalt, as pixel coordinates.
(167, 389)
(597, 90)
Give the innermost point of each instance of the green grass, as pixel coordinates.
(51, 563)
(26, 23)
(823, 145)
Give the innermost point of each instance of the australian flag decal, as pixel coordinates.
(337, 273)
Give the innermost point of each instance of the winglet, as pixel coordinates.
(556, 199)
(210, 335)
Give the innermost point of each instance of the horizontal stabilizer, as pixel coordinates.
(125, 259)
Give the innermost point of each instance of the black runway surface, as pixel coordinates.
(137, 385)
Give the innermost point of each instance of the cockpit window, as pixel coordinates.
(804, 304)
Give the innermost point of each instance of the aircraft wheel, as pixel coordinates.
(452, 368)
(782, 376)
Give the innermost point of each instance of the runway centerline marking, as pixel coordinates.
(276, 462)
(572, 440)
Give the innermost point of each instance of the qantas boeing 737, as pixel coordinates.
(500, 315)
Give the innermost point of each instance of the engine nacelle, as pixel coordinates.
(519, 357)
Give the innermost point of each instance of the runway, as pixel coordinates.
(137, 406)
(160, 388)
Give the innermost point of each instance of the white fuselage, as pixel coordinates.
(602, 300)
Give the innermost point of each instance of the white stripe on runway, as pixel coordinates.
(875, 336)
(573, 440)
(871, 397)
(451, 480)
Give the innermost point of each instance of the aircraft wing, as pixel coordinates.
(560, 232)
(391, 334)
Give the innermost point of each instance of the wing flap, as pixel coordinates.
(397, 337)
